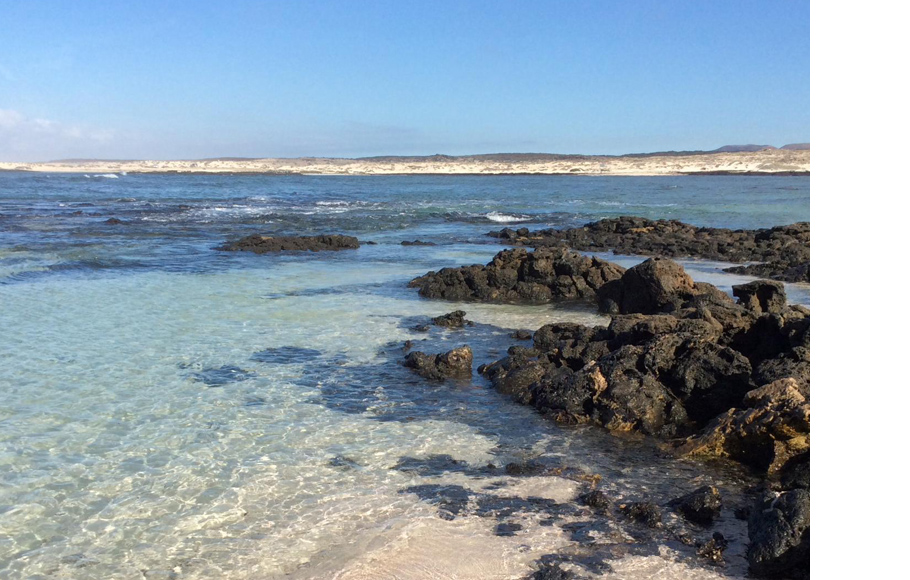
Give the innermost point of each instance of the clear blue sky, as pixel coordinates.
(343, 78)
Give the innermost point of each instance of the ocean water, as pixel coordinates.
(171, 411)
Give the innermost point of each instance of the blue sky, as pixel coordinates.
(204, 79)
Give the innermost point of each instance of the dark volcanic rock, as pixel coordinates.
(506, 529)
(454, 319)
(551, 571)
(793, 363)
(642, 512)
(771, 427)
(761, 296)
(707, 378)
(417, 243)
(656, 285)
(689, 369)
(783, 250)
(701, 506)
(113, 221)
(455, 364)
(771, 335)
(571, 345)
(779, 536)
(525, 468)
(713, 549)
(545, 275)
(778, 270)
(664, 386)
(629, 399)
(595, 499)
(264, 244)
(795, 472)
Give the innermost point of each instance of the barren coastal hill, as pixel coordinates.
(732, 159)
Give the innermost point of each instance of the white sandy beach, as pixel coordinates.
(767, 161)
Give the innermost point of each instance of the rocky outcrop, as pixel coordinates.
(454, 364)
(795, 473)
(656, 285)
(760, 325)
(520, 276)
(688, 371)
(761, 296)
(454, 319)
(766, 431)
(777, 269)
(266, 244)
(783, 251)
(667, 385)
(779, 535)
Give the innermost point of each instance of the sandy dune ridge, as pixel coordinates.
(766, 161)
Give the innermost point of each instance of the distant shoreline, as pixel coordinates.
(765, 162)
(502, 174)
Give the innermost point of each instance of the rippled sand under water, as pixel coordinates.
(118, 458)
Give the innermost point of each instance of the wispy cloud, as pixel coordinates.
(24, 138)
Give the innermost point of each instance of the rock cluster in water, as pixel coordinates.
(713, 376)
(517, 275)
(783, 251)
(454, 364)
(684, 362)
(259, 244)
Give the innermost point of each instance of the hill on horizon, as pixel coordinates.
(500, 157)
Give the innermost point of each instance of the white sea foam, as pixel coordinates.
(505, 218)
(104, 175)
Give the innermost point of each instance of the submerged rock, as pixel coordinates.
(783, 250)
(642, 512)
(417, 243)
(259, 244)
(519, 276)
(713, 549)
(595, 499)
(454, 319)
(779, 535)
(454, 364)
(551, 571)
(701, 506)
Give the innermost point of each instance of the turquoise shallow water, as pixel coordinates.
(169, 411)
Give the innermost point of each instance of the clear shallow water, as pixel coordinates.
(167, 410)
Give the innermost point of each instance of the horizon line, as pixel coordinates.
(749, 148)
